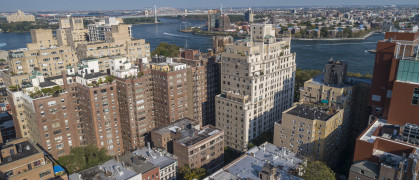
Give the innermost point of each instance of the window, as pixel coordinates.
(415, 97)
(45, 173)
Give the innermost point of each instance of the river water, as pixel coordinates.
(310, 54)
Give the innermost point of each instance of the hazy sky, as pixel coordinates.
(140, 4)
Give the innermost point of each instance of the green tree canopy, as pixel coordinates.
(318, 170)
(186, 173)
(81, 158)
(165, 49)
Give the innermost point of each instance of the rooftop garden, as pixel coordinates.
(108, 79)
(54, 91)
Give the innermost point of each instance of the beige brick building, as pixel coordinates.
(349, 93)
(257, 83)
(20, 16)
(43, 54)
(312, 131)
(71, 32)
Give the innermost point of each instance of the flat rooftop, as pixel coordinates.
(311, 112)
(192, 136)
(156, 157)
(249, 165)
(176, 126)
(27, 150)
(110, 170)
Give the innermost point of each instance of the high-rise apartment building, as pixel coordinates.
(197, 88)
(135, 106)
(203, 71)
(43, 54)
(334, 89)
(20, 16)
(71, 32)
(312, 131)
(170, 88)
(133, 49)
(257, 78)
(100, 30)
(248, 15)
(71, 110)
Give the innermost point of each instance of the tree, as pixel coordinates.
(302, 76)
(186, 173)
(81, 158)
(165, 49)
(318, 170)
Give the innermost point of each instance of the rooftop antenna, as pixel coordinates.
(186, 45)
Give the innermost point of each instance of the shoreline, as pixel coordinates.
(335, 39)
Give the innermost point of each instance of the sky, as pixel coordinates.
(12, 5)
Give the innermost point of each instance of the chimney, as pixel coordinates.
(64, 73)
(117, 158)
(148, 146)
(210, 53)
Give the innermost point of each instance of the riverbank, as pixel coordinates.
(335, 39)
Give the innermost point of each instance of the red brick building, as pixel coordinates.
(388, 148)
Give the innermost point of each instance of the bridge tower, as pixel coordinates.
(155, 14)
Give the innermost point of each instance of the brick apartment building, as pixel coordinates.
(170, 88)
(200, 148)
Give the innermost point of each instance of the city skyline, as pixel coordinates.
(52, 5)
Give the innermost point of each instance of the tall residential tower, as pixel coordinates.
(257, 84)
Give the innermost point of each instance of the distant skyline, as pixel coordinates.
(25, 5)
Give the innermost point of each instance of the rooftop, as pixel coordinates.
(110, 170)
(158, 158)
(312, 112)
(176, 126)
(193, 136)
(24, 149)
(404, 135)
(249, 165)
(370, 169)
(137, 163)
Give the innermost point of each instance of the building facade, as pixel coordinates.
(312, 131)
(20, 17)
(200, 148)
(257, 78)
